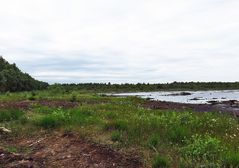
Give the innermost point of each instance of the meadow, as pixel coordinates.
(162, 138)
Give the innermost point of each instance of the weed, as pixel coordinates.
(12, 149)
(160, 162)
(153, 141)
(121, 125)
(116, 136)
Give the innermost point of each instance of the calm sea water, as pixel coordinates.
(195, 97)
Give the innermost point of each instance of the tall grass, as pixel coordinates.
(60, 118)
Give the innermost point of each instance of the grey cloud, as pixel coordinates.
(122, 41)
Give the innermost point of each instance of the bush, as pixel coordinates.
(160, 162)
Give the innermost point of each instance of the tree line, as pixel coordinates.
(144, 87)
(13, 79)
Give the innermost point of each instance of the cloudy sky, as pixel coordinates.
(122, 40)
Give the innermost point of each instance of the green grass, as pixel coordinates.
(116, 136)
(12, 149)
(188, 138)
(231, 159)
(160, 162)
(153, 141)
(7, 115)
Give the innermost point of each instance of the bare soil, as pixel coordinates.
(65, 150)
(27, 104)
(230, 107)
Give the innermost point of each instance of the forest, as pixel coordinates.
(13, 79)
(108, 87)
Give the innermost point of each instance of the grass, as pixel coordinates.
(231, 159)
(7, 115)
(188, 138)
(12, 149)
(153, 141)
(160, 162)
(116, 136)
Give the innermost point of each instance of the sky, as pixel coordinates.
(122, 41)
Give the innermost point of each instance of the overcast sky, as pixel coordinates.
(122, 41)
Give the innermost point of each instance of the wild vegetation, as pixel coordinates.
(12, 79)
(163, 138)
(108, 87)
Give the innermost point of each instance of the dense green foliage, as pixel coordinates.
(103, 87)
(12, 79)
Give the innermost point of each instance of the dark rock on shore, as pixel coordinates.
(180, 94)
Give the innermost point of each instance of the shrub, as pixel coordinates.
(160, 162)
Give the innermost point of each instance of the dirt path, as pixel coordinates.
(66, 150)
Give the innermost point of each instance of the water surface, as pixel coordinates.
(192, 97)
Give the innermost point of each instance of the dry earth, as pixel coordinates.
(67, 150)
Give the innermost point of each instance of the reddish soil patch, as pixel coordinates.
(225, 107)
(176, 106)
(67, 151)
(29, 104)
(50, 103)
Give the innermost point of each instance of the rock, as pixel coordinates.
(4, 130)
(213, 102)
(196, 98)
(180, 94)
